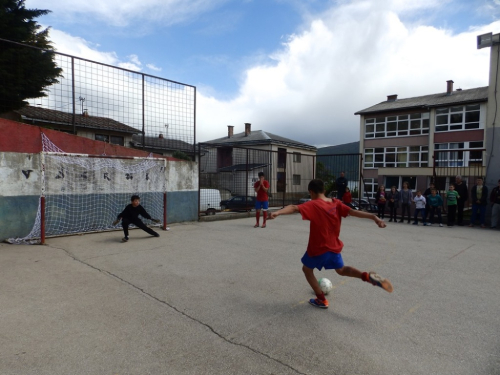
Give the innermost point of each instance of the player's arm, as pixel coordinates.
(119, 217)
(264, 187)
(367, 215)
(145, 215)
(291, 209)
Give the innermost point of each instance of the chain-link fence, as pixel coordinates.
(100, 101)
(228, 174)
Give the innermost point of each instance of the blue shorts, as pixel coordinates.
(329, 260)
(261, 205)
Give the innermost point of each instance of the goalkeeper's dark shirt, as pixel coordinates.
(132, 213)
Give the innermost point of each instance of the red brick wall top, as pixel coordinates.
(19, 137)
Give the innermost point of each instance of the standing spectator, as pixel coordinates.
(347, 197)
(380, 201)
(452, 198)
(495, 208)
(405, 197)
(341, 185)
(479, 195)
(463, 192)
(262, 201)
(427, 194)
(435, 203)
(393, 199)
(420, 203)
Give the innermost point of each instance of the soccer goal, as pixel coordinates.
(85, 193)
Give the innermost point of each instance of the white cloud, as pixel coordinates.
(126, 12)
(76, 46)
(153, 67)
(345, 60)
(79, 47)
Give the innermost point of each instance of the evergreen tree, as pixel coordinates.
(24, 72)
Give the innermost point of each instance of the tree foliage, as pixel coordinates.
(181, 155)
(324, 174)
(25, 72)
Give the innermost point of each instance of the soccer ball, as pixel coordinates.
(325, 285)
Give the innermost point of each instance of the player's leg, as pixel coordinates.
(311, 279)
(265, 206)
(320, 300)
(258, 206)
(145, 228)
(125, 224)
(309, 264)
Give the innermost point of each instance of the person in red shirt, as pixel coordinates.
(347, 197)
(262, 201)
(324, 247)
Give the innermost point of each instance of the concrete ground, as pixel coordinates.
(224, 298)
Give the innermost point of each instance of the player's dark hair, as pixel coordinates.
(317, 186)
(134, 197)
(261, 174)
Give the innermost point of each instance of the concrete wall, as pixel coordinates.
(19, 193)
(20, 177)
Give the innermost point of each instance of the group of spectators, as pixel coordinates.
(430, 205)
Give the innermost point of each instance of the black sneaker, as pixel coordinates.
(125, 239)
(156, 235)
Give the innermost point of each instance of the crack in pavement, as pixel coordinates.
(210, 328)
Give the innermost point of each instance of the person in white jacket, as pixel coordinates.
(419, 201)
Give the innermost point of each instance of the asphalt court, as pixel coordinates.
(223, 297)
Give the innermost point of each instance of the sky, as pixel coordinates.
(296, 68)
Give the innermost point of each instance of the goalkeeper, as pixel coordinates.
(130, 215)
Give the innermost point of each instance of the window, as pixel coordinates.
(396, 157)
(459, 154)
(113, 139)
(102, 137)
(398, 182)
(397, 126)
(296, 157)
(458, 118)
(224, 157)
(371, 187)
(281, 157)
(296, 179)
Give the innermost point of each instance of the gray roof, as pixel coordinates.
(259, 137)
(345, 149)
(479, 94)
(162, 143)
(65, 118)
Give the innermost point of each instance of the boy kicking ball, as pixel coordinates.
(324, 246)
(130, 215)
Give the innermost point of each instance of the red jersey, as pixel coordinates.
(261, 194)
(325, 218)
(347, 197)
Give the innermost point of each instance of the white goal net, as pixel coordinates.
(85, 193)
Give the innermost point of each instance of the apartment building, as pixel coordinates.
(422, 139)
